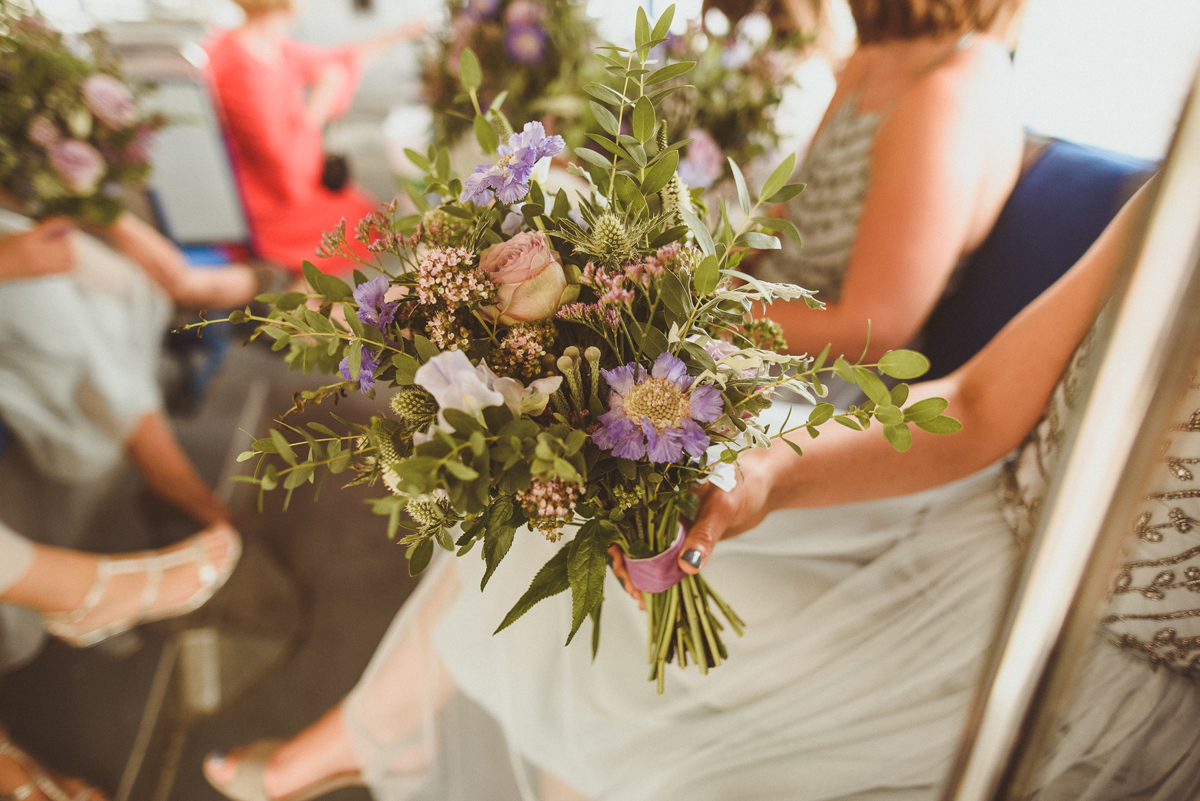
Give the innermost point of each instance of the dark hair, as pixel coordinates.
(881, 20)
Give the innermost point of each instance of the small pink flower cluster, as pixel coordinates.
(592, 314)
(519, 352)
(442, 230)
(448, 276)
(333, 242)
(612, 286)
(549, 504)
(375, 231)
(676, 256)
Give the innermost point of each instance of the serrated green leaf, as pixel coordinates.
(903, 364)
(587, 565)
(470, 74)
(550, 580)
(498, 537)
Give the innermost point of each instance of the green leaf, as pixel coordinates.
(671, 71)
(485, 134)
(303, 472)
(793, 446)
(550, 580)
(587, 565)
(699, 230)
(939, 425)
(462, 423)
(899, 394)
(842, 369)
(757, 240)
(924, 410)
(605, 117)
(889, 415)
(898, 436)
(461, 471)
(821, 413)
(870, 383)
(406, 368)
(903, 364)
(419, 160)
(660, 172)
(282, 447)
(641, 30)
(425, 349)
(290, 301)
(498, 537)
(604, 94)
(788, 192)
(742, 191)
(592, 157)
(848, 421)
(420, 554)
(707, 276)
(778, 177)
(664, 23)
(469, 71)
(643, 119)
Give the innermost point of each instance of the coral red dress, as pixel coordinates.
(279, 151)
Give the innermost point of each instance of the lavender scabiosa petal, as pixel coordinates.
(372, 308)
(662, 446)
(671, 368)
(366, 372)
(706, 403)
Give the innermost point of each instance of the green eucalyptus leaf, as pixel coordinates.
(924, 410)
(485, 134)
(282, 447)
(898, 436)
(668, 72)
(903, 364)
(939, 425)
(470, 74)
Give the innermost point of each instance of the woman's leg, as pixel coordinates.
(382, 730)
(168, 471)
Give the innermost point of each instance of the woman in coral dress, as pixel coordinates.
(275, 95)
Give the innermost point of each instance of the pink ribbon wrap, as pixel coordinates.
(658, 573)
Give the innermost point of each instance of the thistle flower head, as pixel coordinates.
(415, 407)
(430, 512)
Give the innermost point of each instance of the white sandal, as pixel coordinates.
(69, 626)
(39, 781)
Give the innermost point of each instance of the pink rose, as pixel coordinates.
(43, 132)
(109, 100)
(529, 278)
(80, 165)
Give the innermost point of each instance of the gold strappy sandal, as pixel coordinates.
(248, 781)
(39, 781)
(70, 626)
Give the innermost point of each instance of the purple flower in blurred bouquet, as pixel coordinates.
(655, 415)
(80, 165)
(109, 100)
(704, 162)
(372, 307)
(508, 178)
(526, 42)
(482, 8)
(523, 12)
(366, 372)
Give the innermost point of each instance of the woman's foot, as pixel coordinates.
(22, 777)
(125, 591)
(316, 755)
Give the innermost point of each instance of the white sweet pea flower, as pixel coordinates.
(517, 397)
(456, 384)
(723, 476)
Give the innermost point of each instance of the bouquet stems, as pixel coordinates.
(683, 625)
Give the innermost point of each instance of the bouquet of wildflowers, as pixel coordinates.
(535, 60)
(728, 111)
(563, 367)
(71, 135)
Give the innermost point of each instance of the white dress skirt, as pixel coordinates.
(866, 629)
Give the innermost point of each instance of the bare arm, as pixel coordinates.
(328, 88)
(998, 396)
(941, 164)
(45, 249)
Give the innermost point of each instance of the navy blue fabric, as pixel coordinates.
(1056, 211)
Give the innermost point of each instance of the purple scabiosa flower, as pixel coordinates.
(80, 165)
(509, 177)
(526, 42)
(372, 307)
(366, 373)
(655, 415)
(704, 162)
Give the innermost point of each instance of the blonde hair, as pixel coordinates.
(883, 20)
(254, 8)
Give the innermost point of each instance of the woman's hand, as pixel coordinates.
(45, 249)
(725, 514)
(722, 515)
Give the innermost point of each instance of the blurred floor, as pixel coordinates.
(79, 710)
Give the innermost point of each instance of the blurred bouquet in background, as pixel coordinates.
(72, 137)
(535, 55)
(728, 109)
(564, 367)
